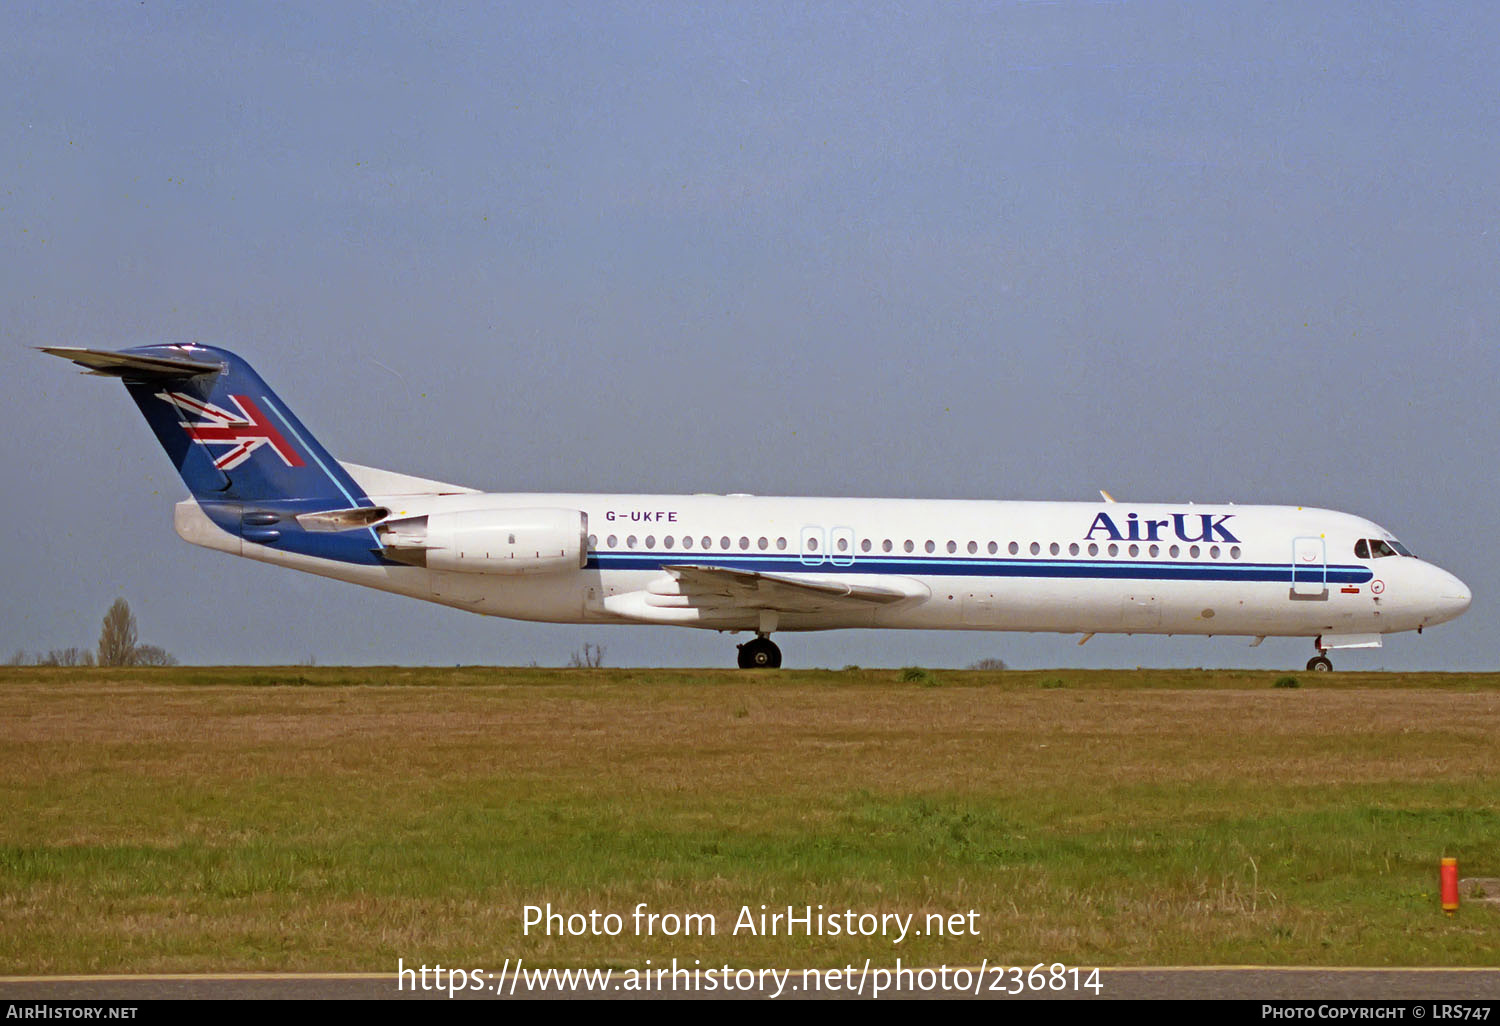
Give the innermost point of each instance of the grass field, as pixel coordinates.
(303, 818)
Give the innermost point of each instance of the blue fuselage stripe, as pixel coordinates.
(1044, 568)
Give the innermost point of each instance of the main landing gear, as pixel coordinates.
(760, 654)
(1320, 662)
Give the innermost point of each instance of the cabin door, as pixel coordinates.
(1309, 568)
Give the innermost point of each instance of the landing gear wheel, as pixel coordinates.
(760, 654)
(1320, 663)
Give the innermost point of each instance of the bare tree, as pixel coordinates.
(117, 639)
(591, 657)
(153, 655)
(71, 656)
(988, 663)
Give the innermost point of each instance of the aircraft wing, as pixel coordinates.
(718, 586)
(706, 595)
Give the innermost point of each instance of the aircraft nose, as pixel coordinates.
(1453, 597)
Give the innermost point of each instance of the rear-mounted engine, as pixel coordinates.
(490, 541)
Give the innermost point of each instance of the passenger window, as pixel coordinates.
(886, 545)
(1135, 550)
(1193, 551)
(630, 542)
(1093, 548)
(864, 545)
(1054, 548)
(930, 546)
(909, 545)
(593, 541)
(994, 548)
(1214, 552)
(667, 542)
(1174, 551)
(744, 542)
(1036, 548)
(973, 547)
(1234, 552)
(1155, 551)
(708, 542)
(763, 544)
(687, 541)
(650, 541)
(612, 540)
(1073, 549)
(812, 545)
(724, 542)
(1114, 550)
(781, 543)
(1014, 548)
(843, 544)
(952, 547)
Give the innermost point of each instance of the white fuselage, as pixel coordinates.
(950, 565)
(266, 489)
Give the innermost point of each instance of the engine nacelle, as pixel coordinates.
(491, 541)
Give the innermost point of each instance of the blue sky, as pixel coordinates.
(1179, 251)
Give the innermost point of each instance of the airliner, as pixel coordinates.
(263, 487)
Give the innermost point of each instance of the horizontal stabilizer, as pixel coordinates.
(133, 367)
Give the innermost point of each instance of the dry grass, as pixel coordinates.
(338, 818)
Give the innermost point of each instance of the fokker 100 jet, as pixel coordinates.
(262, 487)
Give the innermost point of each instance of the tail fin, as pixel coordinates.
(228, 434)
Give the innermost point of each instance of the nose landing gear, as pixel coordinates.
(760, 654)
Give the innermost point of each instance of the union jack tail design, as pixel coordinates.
(244, 431)
(233, 440)
(254, 469)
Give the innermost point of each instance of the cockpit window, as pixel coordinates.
(1374, 548)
